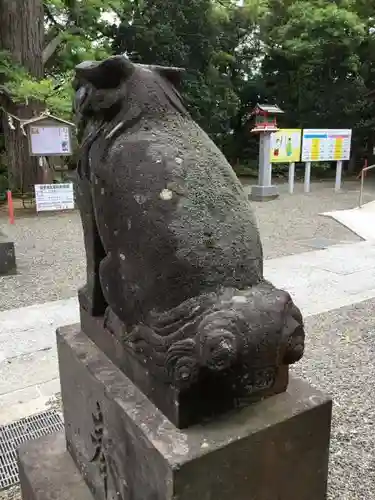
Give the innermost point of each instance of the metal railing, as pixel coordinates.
(363, 172)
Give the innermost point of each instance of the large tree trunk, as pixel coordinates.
(22, 33)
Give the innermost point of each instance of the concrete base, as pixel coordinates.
(47, 471)
(126, 449)
(7, 256)
(263, 193)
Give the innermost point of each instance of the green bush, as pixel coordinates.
(246, 169)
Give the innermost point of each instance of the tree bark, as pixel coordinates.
(22, 34)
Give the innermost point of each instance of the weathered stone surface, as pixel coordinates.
(174, 258)
(47, 471)
(125, 447)
(185, 406)
(7, 256)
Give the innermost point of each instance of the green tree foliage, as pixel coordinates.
(55, 94)
(74, 31)
(84, 28)
(188, 34)
(312, 57)
(314, 63)
(315, 58)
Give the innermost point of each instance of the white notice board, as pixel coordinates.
(50, 140)
(50, 197)
(326, 144)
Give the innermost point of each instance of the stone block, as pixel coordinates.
(7, 256)
(125, 448)
(47, 471)
(264, 193)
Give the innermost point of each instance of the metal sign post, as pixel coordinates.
(292, 168)
(338, 176)
(307, 183)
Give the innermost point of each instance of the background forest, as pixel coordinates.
(314, 58)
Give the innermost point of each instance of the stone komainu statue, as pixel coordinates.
(174, 258)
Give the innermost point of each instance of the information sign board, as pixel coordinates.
(286, 145)
(326, 145)
(49, 140)
(51, 197)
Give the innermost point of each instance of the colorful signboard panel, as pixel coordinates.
(286, 145)
(326, 145)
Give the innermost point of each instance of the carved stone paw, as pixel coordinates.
(113, 324)
(218, 347)
(182, 364)
(294, 334)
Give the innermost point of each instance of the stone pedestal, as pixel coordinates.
(265, 190)
(125, 448)
(7, 256)
(264, 193)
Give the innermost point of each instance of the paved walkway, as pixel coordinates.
(319, 281)
(359, 220)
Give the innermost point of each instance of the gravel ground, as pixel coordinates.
(13, 493)
(292, 224)
(339, 360)
(50, 260)
(50, 254)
